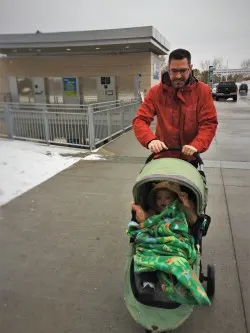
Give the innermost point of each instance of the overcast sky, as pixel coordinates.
(215, 28)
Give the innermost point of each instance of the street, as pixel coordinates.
(64, 242)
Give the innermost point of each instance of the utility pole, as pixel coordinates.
(211, 75)
(227, 70)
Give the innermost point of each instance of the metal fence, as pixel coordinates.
(85, 126)
(3, 124)
(66, 107)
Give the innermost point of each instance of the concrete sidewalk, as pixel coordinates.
(64, 245)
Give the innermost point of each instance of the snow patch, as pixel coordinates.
(94, 157)
(24, 165)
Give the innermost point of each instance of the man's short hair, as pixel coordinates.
(180, 54)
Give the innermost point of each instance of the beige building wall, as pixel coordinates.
(123, 67)
(3, 78)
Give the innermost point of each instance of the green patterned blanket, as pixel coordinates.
(164, 244)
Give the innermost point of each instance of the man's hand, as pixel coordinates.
(188, 150)
(156, 146)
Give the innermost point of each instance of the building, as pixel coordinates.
(80, 67)
(229, 71)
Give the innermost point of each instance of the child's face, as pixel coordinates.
(164, 198)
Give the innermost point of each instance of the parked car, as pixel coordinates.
(226, 89)
(213, 90)
(243, 89)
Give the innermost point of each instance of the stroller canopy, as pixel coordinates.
(172, 169)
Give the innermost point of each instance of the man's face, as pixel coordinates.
(179, 71)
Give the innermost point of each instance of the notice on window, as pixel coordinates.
(70, 86)
(156, 70)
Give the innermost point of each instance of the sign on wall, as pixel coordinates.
(156, 69)
(70, 86)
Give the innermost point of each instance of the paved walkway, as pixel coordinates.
(63, 244)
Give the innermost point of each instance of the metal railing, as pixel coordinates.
(113, 121)
(82, 126)
(66, 107)
(53, 99)
(3, 124)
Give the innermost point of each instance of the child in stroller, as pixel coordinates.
(162, 195)
(174, 300)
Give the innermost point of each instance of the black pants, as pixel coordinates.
(148, 277)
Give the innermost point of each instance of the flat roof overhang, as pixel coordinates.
(115, 41)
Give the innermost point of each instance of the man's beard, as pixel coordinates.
(178, 83)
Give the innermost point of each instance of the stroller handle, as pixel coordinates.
(179, 149)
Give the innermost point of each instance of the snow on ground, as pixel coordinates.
(24, 165)
(94, 157)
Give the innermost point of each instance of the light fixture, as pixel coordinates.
(97, 48)
(127, 47)
(68, 49)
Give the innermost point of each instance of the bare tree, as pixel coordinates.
(245, 64)
(163, 61)
(205, 65)
(218, 63)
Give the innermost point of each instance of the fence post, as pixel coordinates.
(122, 106)
(46, 125)
(91, 127)
(8, 118)
(109, 121)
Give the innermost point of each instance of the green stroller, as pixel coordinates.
(160, 314)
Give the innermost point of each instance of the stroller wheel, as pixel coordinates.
(210, 280)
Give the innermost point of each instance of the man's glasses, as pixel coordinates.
(181, 71)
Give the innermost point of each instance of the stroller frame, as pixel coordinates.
(167, 316)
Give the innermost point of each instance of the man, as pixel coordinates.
(184, 108)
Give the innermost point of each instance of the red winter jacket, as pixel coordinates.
(184, 117)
